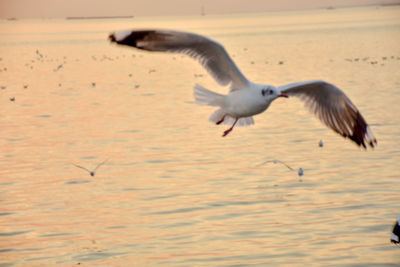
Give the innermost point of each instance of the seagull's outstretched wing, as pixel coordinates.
(275, 161)
(333, 108)
(98, 165)
(83, 168)
(209, 53)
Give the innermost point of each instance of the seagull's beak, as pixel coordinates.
(283, 95)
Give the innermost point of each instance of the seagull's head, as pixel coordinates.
(270, 93)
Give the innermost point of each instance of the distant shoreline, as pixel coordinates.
(100, 17)
(15, 18)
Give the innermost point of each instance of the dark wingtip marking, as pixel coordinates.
(371, 144)
(359, 132)
(111, 37)
(133, 38)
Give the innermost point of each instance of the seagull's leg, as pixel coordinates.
(220, 121)
(230, 129)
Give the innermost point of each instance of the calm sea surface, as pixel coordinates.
(173, 192)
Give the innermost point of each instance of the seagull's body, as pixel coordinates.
(245, 98)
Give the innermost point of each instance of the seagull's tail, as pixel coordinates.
(206, 97)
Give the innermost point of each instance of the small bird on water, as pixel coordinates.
(245, 98)
(93, 172)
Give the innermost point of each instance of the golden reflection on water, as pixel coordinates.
(173, 191)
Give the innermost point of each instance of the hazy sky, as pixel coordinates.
(63, 8)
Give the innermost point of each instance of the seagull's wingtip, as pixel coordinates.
(111, 37)
(373, 143)
(364, 143)
(119, 36)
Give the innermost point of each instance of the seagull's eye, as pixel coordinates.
(270, 92)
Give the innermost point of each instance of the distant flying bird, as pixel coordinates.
(93, 172)
(300, 171)
(275, 161)
(246, 98)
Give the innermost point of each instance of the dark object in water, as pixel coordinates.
(395, 234)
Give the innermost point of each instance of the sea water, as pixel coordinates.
(174, 192)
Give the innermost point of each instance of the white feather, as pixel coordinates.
(121, 35)
(206, 97)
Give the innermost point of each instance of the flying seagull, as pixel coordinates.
(92, 173)
(300, 171)
(246, 98)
